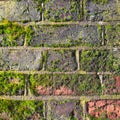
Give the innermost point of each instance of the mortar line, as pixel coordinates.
(65, 73)
(64, 23)
(62, 48)
(59, 98)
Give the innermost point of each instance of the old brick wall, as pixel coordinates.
(59, 59)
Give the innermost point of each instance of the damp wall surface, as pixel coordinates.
(60, 59)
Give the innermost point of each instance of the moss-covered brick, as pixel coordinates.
(102, 10)
(111, 84)
(112, 34)
(116, 62)
(20, 10)
(21, 110)
(71, 84)
(20, 59)
(97, 61)
(63, 10)
(65, 35)
(11, 83)
(64, 110)
(61, 60)
(11, 34)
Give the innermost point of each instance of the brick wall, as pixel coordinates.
(59, 59)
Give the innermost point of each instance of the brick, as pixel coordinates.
(65, 35)
(108, 110)
(48, 84)
(111, 84)
(64, 110)
(61, 61)
(24, 110)
(96, 61)
(20, 10)
(20, 59)
(56, 10)
(112, 34)
(102, 10)
(12, 84)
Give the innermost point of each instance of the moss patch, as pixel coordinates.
(21, 110)
(11, 83)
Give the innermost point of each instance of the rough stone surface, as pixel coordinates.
(65, 110)
(105, 109)
(61, 61)
(102, 12)
(65, 35)
(62, 10)
(20, 59)
(23, 10)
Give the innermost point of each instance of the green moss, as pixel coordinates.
(28, 34)
(21, 110)
(79, 84)
(40, 80)
(11, 83)
(112, 34)
(12, 34)
(100, 1)
(98, 118)
(62, 13)
(96, 61)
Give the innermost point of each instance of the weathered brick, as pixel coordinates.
(102, 10)
(12, 84)
(21, 110)
(74, 84)
(96, 61)
(62, 60)
(63, 10)
(64, 110)
(104, 109)
(20, 10)
(111, 84)
(112, 34)
(65, 35)
(20, 59)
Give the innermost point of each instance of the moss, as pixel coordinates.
(101, 1)
(11, 83)
(28, 34)
(79, 84)
(39, 80)
(112, 34)
(21, 110)
(98, 118)
(62, 13)
(12, 34)
(96, 61)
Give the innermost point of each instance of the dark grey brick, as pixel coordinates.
(20, 59)
(65, 35)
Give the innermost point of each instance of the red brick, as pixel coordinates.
(110, 108)
(91, 104)
(100, 103)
